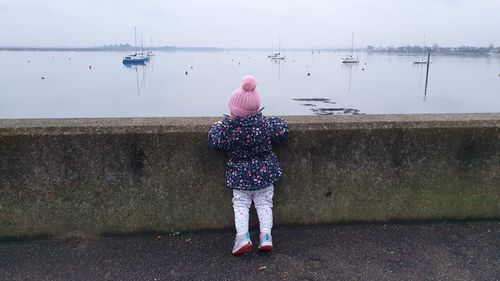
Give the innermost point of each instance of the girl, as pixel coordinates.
(252, 168)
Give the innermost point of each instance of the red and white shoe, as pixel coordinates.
(242, 244)
(266, 242)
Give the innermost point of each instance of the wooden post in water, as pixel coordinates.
(427, 73)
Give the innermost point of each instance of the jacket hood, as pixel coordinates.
(250, 120)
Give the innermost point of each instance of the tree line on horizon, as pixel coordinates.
(435, 48)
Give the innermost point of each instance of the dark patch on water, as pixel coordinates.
(337, 111)
(327, 110)
(316, 99)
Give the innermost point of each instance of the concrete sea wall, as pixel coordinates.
(86, 177)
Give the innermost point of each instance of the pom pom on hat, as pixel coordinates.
(248, 83)
(245, 100)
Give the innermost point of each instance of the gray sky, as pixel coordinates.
(256, 23)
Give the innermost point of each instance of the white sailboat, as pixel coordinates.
(277, 55)
(351, 58)
(421, 60)
(135, 58)
(150, 53)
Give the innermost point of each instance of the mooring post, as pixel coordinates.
(427, 73)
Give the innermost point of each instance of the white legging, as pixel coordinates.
(263, 200)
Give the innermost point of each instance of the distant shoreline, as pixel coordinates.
(129, 49)
(109, 49)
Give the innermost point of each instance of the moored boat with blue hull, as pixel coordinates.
(134, 59)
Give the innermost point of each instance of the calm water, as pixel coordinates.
(379, 84)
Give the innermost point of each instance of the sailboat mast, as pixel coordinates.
(135, 38)
(142, 43)
(352, 42)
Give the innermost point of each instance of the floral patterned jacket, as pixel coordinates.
(248, 142)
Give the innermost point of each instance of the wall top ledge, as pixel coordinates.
(151, 125)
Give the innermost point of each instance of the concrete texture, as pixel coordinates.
(87, 177)
(422, 251)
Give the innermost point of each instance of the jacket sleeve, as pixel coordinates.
(279, 129)
(216, 137)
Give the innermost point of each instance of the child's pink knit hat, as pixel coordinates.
(245, 100)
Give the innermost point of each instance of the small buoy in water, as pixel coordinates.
(308, 74)
(365, 63)
(191, 67)
(239, 63)
(363, 68)
(69, 58)
(90, 66)
(186, 73)
(43, 77)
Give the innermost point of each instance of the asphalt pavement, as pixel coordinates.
(408, 251)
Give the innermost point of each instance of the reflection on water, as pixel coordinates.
(349, 67)
(277, 64)
(421, 79)
(140, 71)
